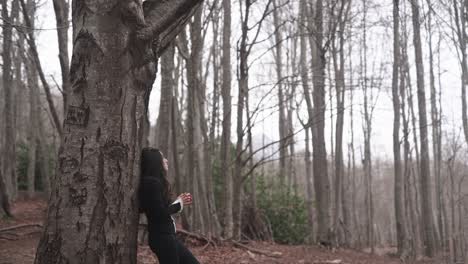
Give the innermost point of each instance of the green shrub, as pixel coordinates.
(22, 162)
(286, 212)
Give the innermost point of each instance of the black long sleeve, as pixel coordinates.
(157, 210)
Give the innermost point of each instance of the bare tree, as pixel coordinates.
(426, 191)
(306, 90)
(8, 156)
(320, 167)
(338, 56)
(282, 125)
(400, 218)
(226, 123)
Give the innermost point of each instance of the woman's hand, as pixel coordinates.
(186, 198)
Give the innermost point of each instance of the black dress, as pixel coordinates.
(161, 228)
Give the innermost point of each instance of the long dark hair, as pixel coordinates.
(152, 168)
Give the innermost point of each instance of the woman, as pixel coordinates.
(155, 202)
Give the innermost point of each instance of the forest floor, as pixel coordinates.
(18, 245)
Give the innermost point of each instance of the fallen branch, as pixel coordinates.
(198, 237)
(336, 261)
(7, 238)
(20, 226)
(275, 254)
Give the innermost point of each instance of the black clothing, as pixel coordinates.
(154, 206)
(154, 202)
(170, 250)
(161, 228)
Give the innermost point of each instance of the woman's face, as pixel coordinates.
(165, 162)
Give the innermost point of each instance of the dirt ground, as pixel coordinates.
(18, 245)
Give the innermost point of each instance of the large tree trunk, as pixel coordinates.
(226, 123)
(399, 186)
(94, 199)
(425, 177)
(8, 155)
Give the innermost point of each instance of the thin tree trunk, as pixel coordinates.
(438, 234)
(281, 98)
(163, 124)
(195, 166)
(226, 123)
(352, 159)
(367, 130)
(399, 194)
(32, 137)
(321, 180)
(339, 68)
(305, 84)
(62, 21)
(17, 86)
(243, 80)
(35, 55)
(8, 169)
(212, 151)
(427, 217)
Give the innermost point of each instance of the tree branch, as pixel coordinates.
(165, 19)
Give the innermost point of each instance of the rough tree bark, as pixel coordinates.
(425, 172)
(94, 199)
